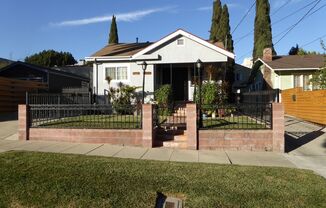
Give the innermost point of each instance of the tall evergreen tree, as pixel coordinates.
(263, 30)
(224, 31)
(113, 37)
(217, 12)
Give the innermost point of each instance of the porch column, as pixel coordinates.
(278, 127)
(147, 125)
(23, 125)
(191, 119)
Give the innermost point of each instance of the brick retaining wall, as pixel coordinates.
(122, 137)
(253, 140)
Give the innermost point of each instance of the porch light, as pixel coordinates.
(199, 64)
(144, 65)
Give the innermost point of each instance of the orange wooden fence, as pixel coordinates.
(13, 92)
(308, 105)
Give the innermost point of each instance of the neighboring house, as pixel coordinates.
(56, 80)
(5, 62)
(80, 70)
(241, 77)
(171, 60)
(285, 72)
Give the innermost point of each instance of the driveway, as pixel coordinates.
(305, 144)
(8, 126)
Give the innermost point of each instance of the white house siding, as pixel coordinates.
(134, 79)
(190, 52)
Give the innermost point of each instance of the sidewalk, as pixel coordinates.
(162, 154)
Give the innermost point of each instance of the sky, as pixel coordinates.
(82, 26)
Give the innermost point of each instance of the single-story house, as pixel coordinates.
(55, 80)
(171, 60)
(285, 72)
(80, 70)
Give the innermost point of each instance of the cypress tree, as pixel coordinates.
(217, 12)
(263, 30)
(113, 37)
(225, 31)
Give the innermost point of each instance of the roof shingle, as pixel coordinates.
(297, 62)
(121, 49)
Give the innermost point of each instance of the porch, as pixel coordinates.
(183, 76)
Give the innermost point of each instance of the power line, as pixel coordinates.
(281, 7)
(298, 22)
(244, 17)
(278, 21)
(319, 38)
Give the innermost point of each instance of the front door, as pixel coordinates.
(180, 83)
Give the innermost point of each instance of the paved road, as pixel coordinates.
(8, 126)
(306, 145)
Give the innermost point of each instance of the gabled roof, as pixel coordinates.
(134, 50)
(121, 49)
(188, 35)
(43, 69)
(296, 62)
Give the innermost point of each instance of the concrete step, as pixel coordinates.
(180, 138)
(176, 145)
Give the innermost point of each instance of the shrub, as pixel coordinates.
(212, 93)
(163, 95)
(122, 98)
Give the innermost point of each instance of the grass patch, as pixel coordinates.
(236, 122)
(95, 122)
(55, 180)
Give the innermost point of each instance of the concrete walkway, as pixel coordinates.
(306, 145)
(8, 126)
(160, 154)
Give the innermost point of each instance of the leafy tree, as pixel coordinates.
(319, 78)
(51, 58)
(263, 30)
(217, 13)
(113, 37)
(294, 50)
(300, 51)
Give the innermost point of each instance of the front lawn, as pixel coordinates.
(94, 121)
(56, 180)
(236, 122)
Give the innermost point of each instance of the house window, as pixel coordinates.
(306, 82)
(181, 42)
(296, 81)
(117, 73)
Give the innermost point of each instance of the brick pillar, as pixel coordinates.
(148, 132)
(23, 127)
(191, 119)
(278, 127)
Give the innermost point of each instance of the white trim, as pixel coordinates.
(108, 58)
(188, 35)
(261, 60)
(300, 69)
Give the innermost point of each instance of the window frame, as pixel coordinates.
(183, 42)
(116, 66)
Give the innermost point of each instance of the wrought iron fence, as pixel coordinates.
(169, 116)
(242, 116)
(267, 96)
(58, 99)
(85, 116)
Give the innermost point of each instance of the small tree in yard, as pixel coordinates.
(122, 98)
(319, 78)
(213, 94)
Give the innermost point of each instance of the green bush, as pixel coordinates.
(122, 98)
(212, 93)
(163, 95)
